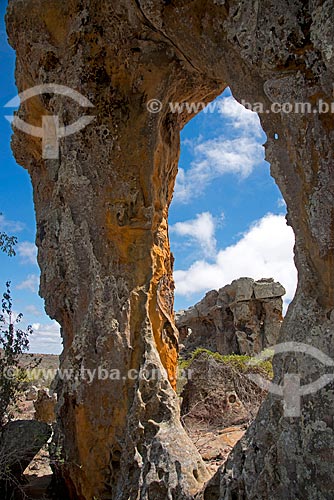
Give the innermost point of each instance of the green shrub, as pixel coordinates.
(241, 363)
(13, 343)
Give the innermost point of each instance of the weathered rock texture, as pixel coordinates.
(219, 394)
(45, 407)
(218, 403)
(244, 317)
(102, 238)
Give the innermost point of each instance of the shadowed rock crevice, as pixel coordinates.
(102, 233)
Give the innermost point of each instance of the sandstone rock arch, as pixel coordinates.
(102, 232)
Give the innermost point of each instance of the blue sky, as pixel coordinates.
(226, 218)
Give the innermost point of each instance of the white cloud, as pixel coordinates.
(183, 187)
(215, 158)
(201, 230)
(33, 310)
(27, 252)
(45, 338)
(30, 283)
(242, 119)
(265, 251)
(220, 156)
(11, 226)
(236, 156)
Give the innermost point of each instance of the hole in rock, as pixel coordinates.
(226, 222)
(195, 474)
(232, 398)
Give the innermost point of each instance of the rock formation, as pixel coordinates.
(45, 407)
(102, 233)
(218, 402)
(241, 318)
(219, 394)
(20, 441)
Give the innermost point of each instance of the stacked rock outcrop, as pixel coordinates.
(241, 318)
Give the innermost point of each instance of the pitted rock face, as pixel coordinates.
(102, 234)
(244, 317)
(217, 395)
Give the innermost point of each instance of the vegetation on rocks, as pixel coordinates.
(13, 342)
(242, 363)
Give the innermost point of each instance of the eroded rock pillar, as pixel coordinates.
(103, 247)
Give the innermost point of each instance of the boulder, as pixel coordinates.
(45, 407)
(20, 441)
(217, 394)
(267, 289)
(31, 393)
(242, 318)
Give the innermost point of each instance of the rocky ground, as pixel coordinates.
(38, 474)
(217, 404)
(215, 444)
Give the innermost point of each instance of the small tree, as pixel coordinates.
(7, 243)
(13, 343)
